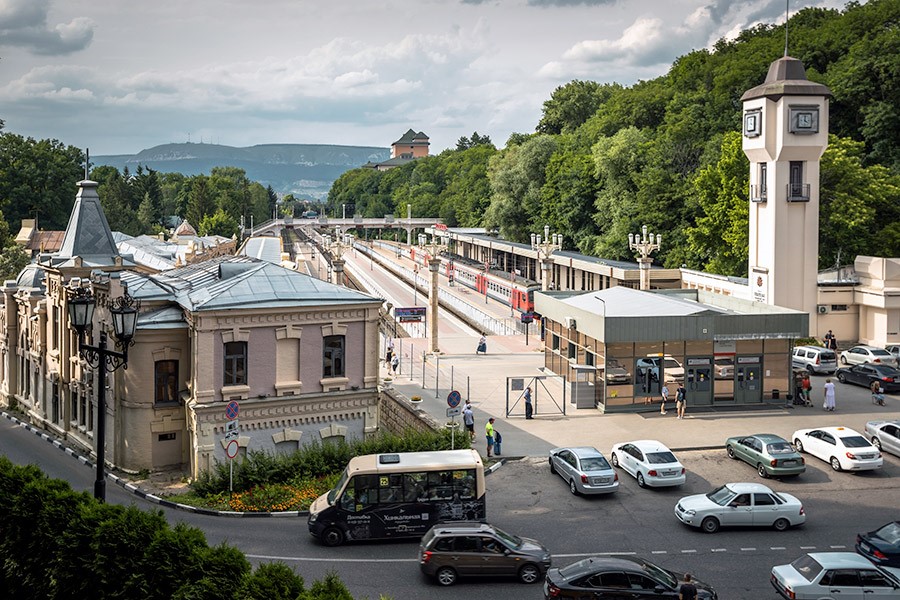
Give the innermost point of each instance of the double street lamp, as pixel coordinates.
(545, 247)
(124, 312)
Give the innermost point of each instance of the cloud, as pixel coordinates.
(23, 23)
(548, 3)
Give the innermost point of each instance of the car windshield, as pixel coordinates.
(721, 496)
(890, 533)
(880, 353)
(660, 458)
(671, 364)
(855, 441)
(659, 574)
(779, 448)
(807, 566)
(333, 493)
(513, 541)
(595, 463)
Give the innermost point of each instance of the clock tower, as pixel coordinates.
(785, 133)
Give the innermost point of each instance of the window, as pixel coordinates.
(797, 190)
(555, 342)
(333, 355)
(235, 363)
(763, 177)
(571, 351)
(870, 578)
(763, 500)
(166, 378)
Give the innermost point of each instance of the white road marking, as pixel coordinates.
(688, 551)
(331, 559)
(748, 549)
(807, 547)
(837, 547)
(777, 548)
(719, 550)
(658, 552)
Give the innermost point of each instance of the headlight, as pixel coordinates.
(313, 517)
(690, 512)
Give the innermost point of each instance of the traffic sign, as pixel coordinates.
(231, 449)
(232, 430)
(232, 410)
(453, 399)
(454, 412)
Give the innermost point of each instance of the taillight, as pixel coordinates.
(851, 456)
(682, 470)
(802, 511)
(818, 360)
(652, 473)
(878, 554)
(552, 591)
(774, 462)
(615, 476)
(426, 557)
(584, 478)
(888, 379)
(802, 461)
(876, 360)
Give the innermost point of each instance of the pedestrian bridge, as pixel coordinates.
(275, 226)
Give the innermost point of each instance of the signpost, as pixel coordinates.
(410, 314)
(453, 400)
(527, 319)
(232, 432)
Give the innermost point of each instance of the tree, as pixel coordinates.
(13, 259)
(200, 200)
(465, 143)
(219, 223)
(572, 104)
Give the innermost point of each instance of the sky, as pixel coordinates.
(119, 76)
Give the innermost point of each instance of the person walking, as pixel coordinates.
(680, 401)
(489, 434)
(664, 394)
(529, 407)
(497, 441)
(829, 395)
(395, 362)
(687, 590)
(469, 420)
(482, 345)
(805, 389)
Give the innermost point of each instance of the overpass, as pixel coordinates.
(275, 226)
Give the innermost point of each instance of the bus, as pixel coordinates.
(384, 496)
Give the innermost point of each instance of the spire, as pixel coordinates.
(87, 234)
(786, 77)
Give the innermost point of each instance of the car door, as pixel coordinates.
(890, 438)
(765, 509)
(842, 583)
(741, 449)
(753, 451)
(876, 584)
(814, 444)
(564, 464)
(644, 587)
(739, 511)
(610, 585)
(635, 459)
(494, 561)
(863, 375)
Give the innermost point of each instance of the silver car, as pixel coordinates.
(858, 355)
(585, 469)
(741, 505)
(885, 435)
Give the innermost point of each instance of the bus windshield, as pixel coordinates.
(332, 494)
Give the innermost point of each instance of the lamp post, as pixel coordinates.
(545, 247)
(337, 247)
(643, 243)
(434, 248)
(124, 311)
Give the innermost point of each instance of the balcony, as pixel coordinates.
(798, 192)
(758, 193)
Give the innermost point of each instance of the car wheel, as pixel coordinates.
(529, 573)
(730, 452)
(761, 469)
(552, 468)
(332, 536)
(842, 378)
(640, 479)
(615, 460)
(572, 487)
(843, 360)
(710, 525)
(835, 463)
(876, 442)
(446, 576)
(781, 524)
(798, 445)
(810, 370)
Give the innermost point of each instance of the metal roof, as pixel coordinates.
(267, 248)
(621, 301)
(87, 234)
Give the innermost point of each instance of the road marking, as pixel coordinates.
(777, 548)
(332, 559)
(577, 554)
(719, 550)
(658, 552)
(748, 549)
(837, 547)
(807, 547)
(688, 551)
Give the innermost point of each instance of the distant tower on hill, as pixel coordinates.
(411, 145)
(785, 133)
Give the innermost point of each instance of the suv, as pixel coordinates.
(450, 550)
(814, 359)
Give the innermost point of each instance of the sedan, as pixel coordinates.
(618, 577)
(741, 505)
(885, 435)
(858, 355)
(887, 376)
(894, 349)
(881, 546)
(585, 469)
(834, 575)
(650, 462)
(843, 448)
(771, 455)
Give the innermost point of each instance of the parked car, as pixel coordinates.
(457, 549)
(673, 371)
(585, 469)
(845, 575)
(616, 373)
(881, 546)
(887, 376)
(814, 359)
(650, 462)
(771, 455)
(885, 435)
(740, 504)
(858, 355)
(724, 367)
(618, 577)
(843, 448)
(894, 349)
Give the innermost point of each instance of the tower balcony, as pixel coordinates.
(798, 192)
(758, 193)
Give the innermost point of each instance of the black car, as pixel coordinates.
(881, 546)
(865, 374)
(617, 577)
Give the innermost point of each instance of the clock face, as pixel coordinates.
(804, 120)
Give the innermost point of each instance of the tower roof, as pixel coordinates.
(787, 77)
(88, 235)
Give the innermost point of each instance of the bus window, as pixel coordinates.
(464, 484)
(366, 490)
(390, 488)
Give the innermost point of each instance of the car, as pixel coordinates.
(672, 369)
(616, 373)
(740, 504)
(772, 456)
(881, 546)
(894, 349)
(858, 355)
(618, 577)
(842, 447)
(650, 462)
(724, 367)
(887, 376)
(821, 575)
(585, 469)
(815, 359)
(885, 435)
(457, 549)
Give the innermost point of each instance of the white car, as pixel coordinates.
(741, 505)
(650, 462)
(673, 371)
(841, 575)
(858, 355)
(843, 448)
(885, 435)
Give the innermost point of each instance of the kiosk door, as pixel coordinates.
(698, 381)
(748, 380)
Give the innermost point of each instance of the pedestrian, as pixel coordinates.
(388, 355)
(395, 363)
(489, 434)
(664, 394)
(469, 420)
(877, 393)
(529, 408)
(482, 345)
(829, 395)
(687, 590)
(680, 401)
(828, 337)
(805, 389)
(497, 440)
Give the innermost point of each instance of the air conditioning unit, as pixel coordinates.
(822, 309)
(570, 322)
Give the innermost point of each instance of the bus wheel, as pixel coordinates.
(332, 537)
(446, 576)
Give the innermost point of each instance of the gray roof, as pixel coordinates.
(87, 234)
(622, 301)
(147, 251)
(170, 317)
(786, 77)
(266, 248)
(617, 264)
(32, 276)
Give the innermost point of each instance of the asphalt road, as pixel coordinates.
(524, 498)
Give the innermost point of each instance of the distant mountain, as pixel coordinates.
(305, 170)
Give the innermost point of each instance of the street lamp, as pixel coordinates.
(124, 311)
(645, 245)
(545, 247)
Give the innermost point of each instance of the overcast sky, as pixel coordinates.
(118, 76)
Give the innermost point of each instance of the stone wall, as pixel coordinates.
(399, 414)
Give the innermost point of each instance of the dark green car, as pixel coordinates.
(771, 455)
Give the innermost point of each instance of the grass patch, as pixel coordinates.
(269, 497)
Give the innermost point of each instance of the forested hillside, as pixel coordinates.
(606, 159)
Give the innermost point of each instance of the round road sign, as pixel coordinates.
(231, 449)
(453, 399)
(232, 410)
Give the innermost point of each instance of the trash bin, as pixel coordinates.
(776, 394)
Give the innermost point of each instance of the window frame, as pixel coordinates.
(162, 381)
(334, 358)
(237, 361)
